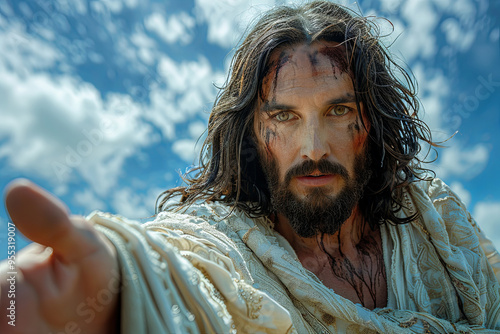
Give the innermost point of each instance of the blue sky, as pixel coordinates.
(102, 102)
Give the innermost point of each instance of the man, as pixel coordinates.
(310, 214)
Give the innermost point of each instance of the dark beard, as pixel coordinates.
(318, 213)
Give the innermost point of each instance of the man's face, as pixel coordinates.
(310, 138)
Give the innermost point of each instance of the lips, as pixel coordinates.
(315, 179)
(315, 175)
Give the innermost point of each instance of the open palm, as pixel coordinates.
(68, 280)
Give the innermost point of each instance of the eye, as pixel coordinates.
(340, 110)
(283, 116)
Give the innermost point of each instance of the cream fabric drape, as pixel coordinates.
(213, 270)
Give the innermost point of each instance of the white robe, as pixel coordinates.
(213, 270)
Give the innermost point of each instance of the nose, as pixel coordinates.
(314, 143)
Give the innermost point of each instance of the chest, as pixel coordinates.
(361, 277)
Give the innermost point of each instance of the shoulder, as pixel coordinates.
(438, 205)
(436, 190)
(458, 243)
(460, 225)
(435, 198)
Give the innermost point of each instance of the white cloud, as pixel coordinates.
(80, 6)
(95, 58)
(128, 203)
(26, 53)
(196, 129)
(418, 40)
(114, 6)
(433, 89)
(421, 18)
(487, 215)
(391, 5)
(181, 76)
(61, 189)
(228, 19)
(56, 126)
(185, 148)
(141, 40)
(188, 93)
(177, 28)
(457, 35)
(465, 162)
(494, 35)
(147, 47)
(89, 200)
(130, 56)
(464, 9)
(131, 3)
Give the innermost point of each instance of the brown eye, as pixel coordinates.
(340, 110)
(283, 116)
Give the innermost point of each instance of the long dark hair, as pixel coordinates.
(230, 170)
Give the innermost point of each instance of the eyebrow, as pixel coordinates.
(273, 106)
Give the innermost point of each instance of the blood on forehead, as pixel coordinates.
(336, 54)
(274, 66)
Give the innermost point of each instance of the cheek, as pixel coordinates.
(267, 137)
(357, 134)
(275, 146)
(359, 141)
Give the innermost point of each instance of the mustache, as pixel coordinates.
(309, 166)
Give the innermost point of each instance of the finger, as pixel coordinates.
(44, 219)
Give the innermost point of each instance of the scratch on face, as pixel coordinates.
(259, 127)
(358, 134)
(355, 129)
(268, 135)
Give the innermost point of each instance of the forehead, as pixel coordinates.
(289, 65)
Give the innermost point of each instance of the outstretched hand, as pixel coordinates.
(68, 280)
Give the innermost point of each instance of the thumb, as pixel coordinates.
(44, 219)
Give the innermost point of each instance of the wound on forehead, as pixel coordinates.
(335, 54)
(313, 60)
(338, 57)
(275, 66)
